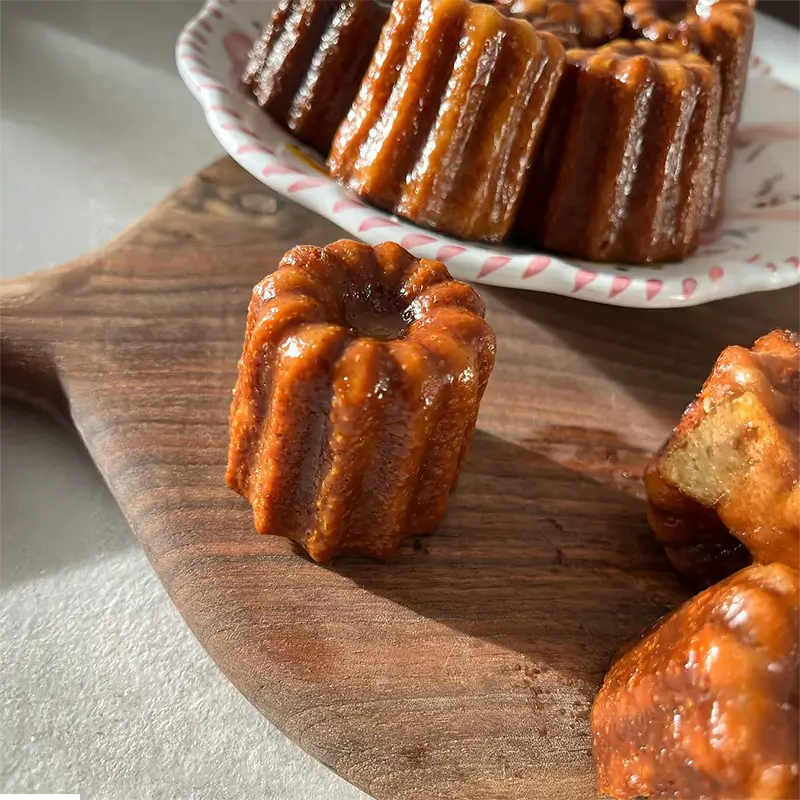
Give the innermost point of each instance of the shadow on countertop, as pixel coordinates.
(42, 461)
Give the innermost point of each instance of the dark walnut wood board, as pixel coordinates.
(464, 668)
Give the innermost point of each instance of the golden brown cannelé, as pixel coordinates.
(307, 65)
(358, 392)
(706, 703)
(624, 172)
(722, 32)
(725, 486)
(448, 116)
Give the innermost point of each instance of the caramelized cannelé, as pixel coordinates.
(724, 487)
(576, 23)
(307, 65)
(624, 172)
(722, 32)
(706, 704)
(357, 397)
(448, 117)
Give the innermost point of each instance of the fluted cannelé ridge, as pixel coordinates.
(626, 166)
(722, 32)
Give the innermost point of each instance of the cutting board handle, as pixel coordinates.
(60, 314)
(31, 318)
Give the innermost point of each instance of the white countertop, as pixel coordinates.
(105, 691)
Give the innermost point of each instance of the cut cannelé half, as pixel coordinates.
(726, 484)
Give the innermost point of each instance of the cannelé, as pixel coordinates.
(720, 31)
(725, 485)
(706, 704)
(577, 23)
(624, 171)
(307, 65)
(598, 129)
(357, 396)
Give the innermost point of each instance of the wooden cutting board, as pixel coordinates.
(465, 667)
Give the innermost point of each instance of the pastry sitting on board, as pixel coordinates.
(357, 397)
(706, 704)
(724, 489)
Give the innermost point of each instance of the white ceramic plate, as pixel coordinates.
(755, 250)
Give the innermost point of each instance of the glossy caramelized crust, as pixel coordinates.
(625, 166)
(576, 23)
(725, 34)
(306, 67)
(357, 397)
(448, 116)
(706, 704)
(724, 487)
(661, 21)
(722, 32)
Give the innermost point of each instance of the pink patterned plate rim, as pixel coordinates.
(755, 249)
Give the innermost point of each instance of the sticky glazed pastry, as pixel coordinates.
(469, 119)
(724, 487)
(625, 167)
(307, 65)
(722, 32)
(725, 34)
(448, 117)
(694, 538)
(706, 704)
(661, 21)
(357, 397)
(576, 23)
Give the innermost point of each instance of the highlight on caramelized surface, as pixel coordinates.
(706, 704)
(594, 195)
(448, 117)
(725, 486)
(725, 32)
(357, 396)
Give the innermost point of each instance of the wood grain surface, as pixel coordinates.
(465, 667)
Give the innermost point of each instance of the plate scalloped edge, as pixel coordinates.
(756, 248)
